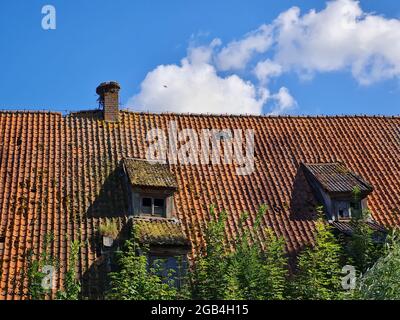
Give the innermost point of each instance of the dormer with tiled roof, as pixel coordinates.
(335, 185)
(151, 187)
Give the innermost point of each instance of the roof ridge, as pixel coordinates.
(258, 115)
(244, 115)
(30, 111)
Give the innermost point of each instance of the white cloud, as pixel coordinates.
(237, 54)
(283, 102)
(194, 86)
(267, 69)
(340, 37)
(202, 54)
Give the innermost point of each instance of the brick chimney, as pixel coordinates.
(109, 100)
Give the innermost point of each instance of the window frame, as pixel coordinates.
(346, 210)
(153, 206)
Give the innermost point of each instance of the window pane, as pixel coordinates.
(159, 202)
(146, 202)
(342, 209)
(344, 213)
(159, 206)
(146, 205)
(164, 264)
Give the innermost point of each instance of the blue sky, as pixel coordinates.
(124, 40)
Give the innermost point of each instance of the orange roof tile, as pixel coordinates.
(61, 175)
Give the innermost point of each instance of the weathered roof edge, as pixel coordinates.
(300, 116)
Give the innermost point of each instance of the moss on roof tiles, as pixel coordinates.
(160, 231)
(149, 174)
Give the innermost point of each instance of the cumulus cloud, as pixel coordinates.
(194, 86)
(341, 37)
(267, 69)
(283, 101)
(237, 54)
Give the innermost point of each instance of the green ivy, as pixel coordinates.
(248, 271)
(319, 271)
(136, 279)
(72, 286)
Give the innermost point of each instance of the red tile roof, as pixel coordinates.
(61, 175)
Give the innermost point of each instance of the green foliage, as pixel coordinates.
(275, 267)
(244, 268)
(109, 229)
(136, 278)
(211, 277)
(261, 274)
(361, 250)
(35, 278)
(72, 284)
(319, 267)
(35, 275)
(33, 272)
(248, 272)
(381, 282)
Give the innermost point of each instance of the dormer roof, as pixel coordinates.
(161, 232)
(337, 178)
(147, 173)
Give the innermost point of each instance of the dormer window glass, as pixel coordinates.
(147, 206)
(355, 207)
(159, 207)
(343, 211)
(153, 206)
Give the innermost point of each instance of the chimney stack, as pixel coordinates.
(109, 100)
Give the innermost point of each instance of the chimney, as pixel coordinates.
(109, 100)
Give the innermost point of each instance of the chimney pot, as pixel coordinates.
(109, 100)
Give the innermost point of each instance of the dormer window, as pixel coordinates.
(151, 188)
(153, 206)
(334, 186)
(147, 207)
(159, 207)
